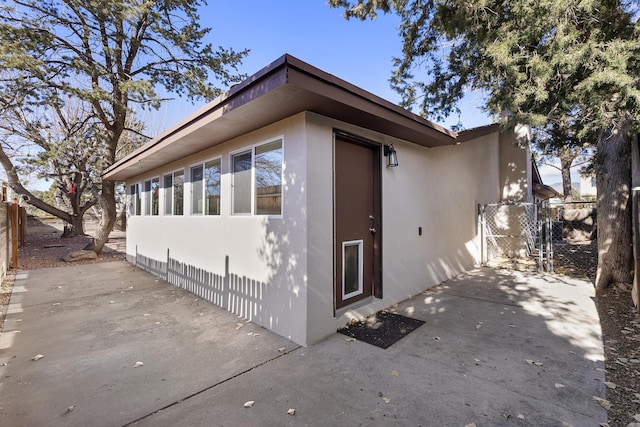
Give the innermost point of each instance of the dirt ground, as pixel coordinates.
(618, 317)
(5, 295)
(44, 248)
(621, 338)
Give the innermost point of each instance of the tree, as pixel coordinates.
(536, 61)
(112, 55)
(62, 144)
(557, 142)
(57, 143)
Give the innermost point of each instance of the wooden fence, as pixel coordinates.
(13, 230)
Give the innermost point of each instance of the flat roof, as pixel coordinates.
(283, 88)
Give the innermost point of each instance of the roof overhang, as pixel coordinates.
(477, 132)
(285, 87)
(544, 192)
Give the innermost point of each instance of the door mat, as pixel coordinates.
(382, 329)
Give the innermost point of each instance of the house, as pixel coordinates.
(588, 187)
(279, 200)
(541, 192)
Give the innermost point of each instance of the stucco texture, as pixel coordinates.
(278, 271)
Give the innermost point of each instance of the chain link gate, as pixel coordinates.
(544, 236)
(510, 234)
(573, 228)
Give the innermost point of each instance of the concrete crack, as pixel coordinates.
(239, 374)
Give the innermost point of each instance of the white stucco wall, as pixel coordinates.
(266, 256)
(587, 187)
(515, 166)
(437, 189)
(278, 272)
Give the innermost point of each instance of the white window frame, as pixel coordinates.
(134, 198)
(146, 198)
(232, 174)
(131, 199)
(173, 187)
(151, 196)
(165, 190)
(190, 212)
(252, 150)
(173, 196)
(204, 186)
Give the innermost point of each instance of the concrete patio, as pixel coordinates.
(498, 348)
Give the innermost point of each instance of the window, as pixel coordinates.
(174, 193)
(147, 197)
(205, 188)
(212, 174)
(168, 194)
(132, 199)
(262, 192)
(197, 196)
(268, 185)
(137, 198)
(178, 193)
(241, 182)
(155, 196)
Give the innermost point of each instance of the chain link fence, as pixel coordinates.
(509, 234)
(547, 237)
(574, 242)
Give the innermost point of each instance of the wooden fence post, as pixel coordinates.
(23, 225)
(14, 234)
(635, 200)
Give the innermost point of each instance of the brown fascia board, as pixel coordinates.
(536, 177)
(477, 132)
(341, 100)
(427, 133)
(232, 98)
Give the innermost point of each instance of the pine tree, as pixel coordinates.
(539, 62)
(112, 55)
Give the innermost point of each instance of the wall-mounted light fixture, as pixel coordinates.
(390, 154)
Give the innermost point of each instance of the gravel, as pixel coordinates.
(621, 338)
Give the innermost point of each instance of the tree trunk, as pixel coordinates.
(635, 200)
(73, 222)
(565, 168)
(613, 175)
(75, 227)
(121, 220)
(14, 182)
(107, 219)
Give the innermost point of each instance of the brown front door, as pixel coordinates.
(356, 221)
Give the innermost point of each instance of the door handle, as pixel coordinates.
(372, 230)
(371, 217)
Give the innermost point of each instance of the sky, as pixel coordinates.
(359, 52)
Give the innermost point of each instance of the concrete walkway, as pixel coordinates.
(498, 348)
